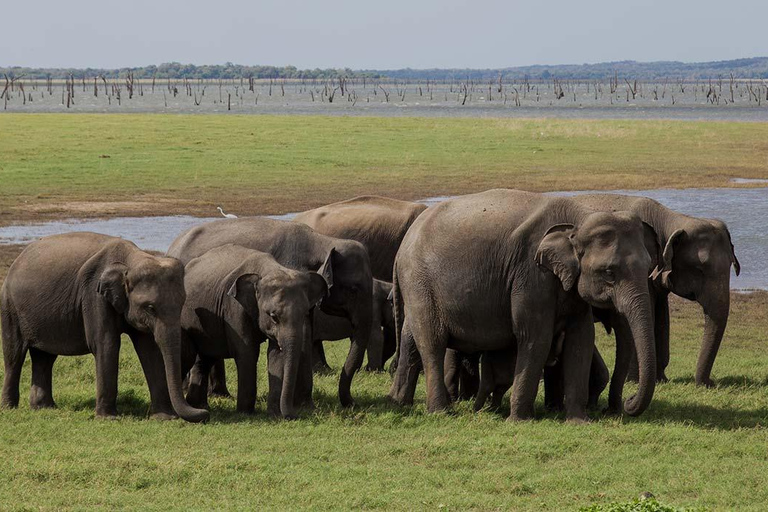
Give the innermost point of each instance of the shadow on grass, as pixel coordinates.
(129, 403)
(730, 381)
(704, 416)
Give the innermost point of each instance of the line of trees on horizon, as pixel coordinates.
(750, 68)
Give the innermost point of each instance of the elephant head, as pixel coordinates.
(148, 292)
(696, 264)
(347, 271)
(606, 260)
(280, 303)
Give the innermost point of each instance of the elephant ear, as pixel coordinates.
(243, 290)
(557, 254)
(734, 259)
(318, 288)
(662, 273)
(326, 269)
(113, 286)
(652, 244)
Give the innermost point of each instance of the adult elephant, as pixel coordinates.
(500, 268)
(77, 293)
(298, 247)
(379, 223)
(238, 298)
(696, 265)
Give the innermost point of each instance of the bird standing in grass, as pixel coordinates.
(226, 215)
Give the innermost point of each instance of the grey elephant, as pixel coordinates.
(298, 247)
(237, 298)
(75, 294)
(379, 223)
(381, 345)
(695, 264)
(500, 268)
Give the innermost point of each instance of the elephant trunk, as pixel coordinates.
(716, 308)
(291, 351)
(169, 341)
(636, 309)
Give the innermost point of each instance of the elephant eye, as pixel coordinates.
(150, 308)
(609, 275)
(274, 318)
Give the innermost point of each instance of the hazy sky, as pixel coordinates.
(382, 34)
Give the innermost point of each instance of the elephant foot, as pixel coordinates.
(662, 377)
(42, 404)
(216, 393)
(612, 411)
(108, 416)
(577, 420)
(163, 416)
(515, 418)
(707, 382)
(374, 368)
(399, 401)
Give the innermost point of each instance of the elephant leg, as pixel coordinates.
(218, 380)
(353, 363)
(14, 353)
(151, 360)
(375, 350)
(469, 376)
(554, 389)
(534, 331)
(487, 382)
(661, 331)
(498, 395)
(304, 383)
(625, 349)
(41, 392)
(107, 363)
(577, 359)
(319, 362)
(275, 378)
(431, 342)
(197, 395)
(247, 364)
(408, 368)
(598, 378)
(452, 365)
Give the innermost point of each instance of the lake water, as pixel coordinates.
(745, 210)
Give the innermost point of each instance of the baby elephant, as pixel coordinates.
(381, 345)
(75, 294)
(238, 298)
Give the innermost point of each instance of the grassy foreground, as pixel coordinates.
(694, 447)
(56, 165)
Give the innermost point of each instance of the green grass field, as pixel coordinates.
(694, 447)
(52, 164)
(701, 448)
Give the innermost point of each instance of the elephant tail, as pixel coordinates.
(398, 311)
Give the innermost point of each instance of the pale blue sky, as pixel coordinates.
(382, 34)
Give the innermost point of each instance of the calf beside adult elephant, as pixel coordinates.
(77, 293)
(237, 298)
(298, 247)
(695, 264)
(500, 268)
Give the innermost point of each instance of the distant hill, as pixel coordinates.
(756, 67)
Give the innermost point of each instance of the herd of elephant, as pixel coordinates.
(482, 293)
